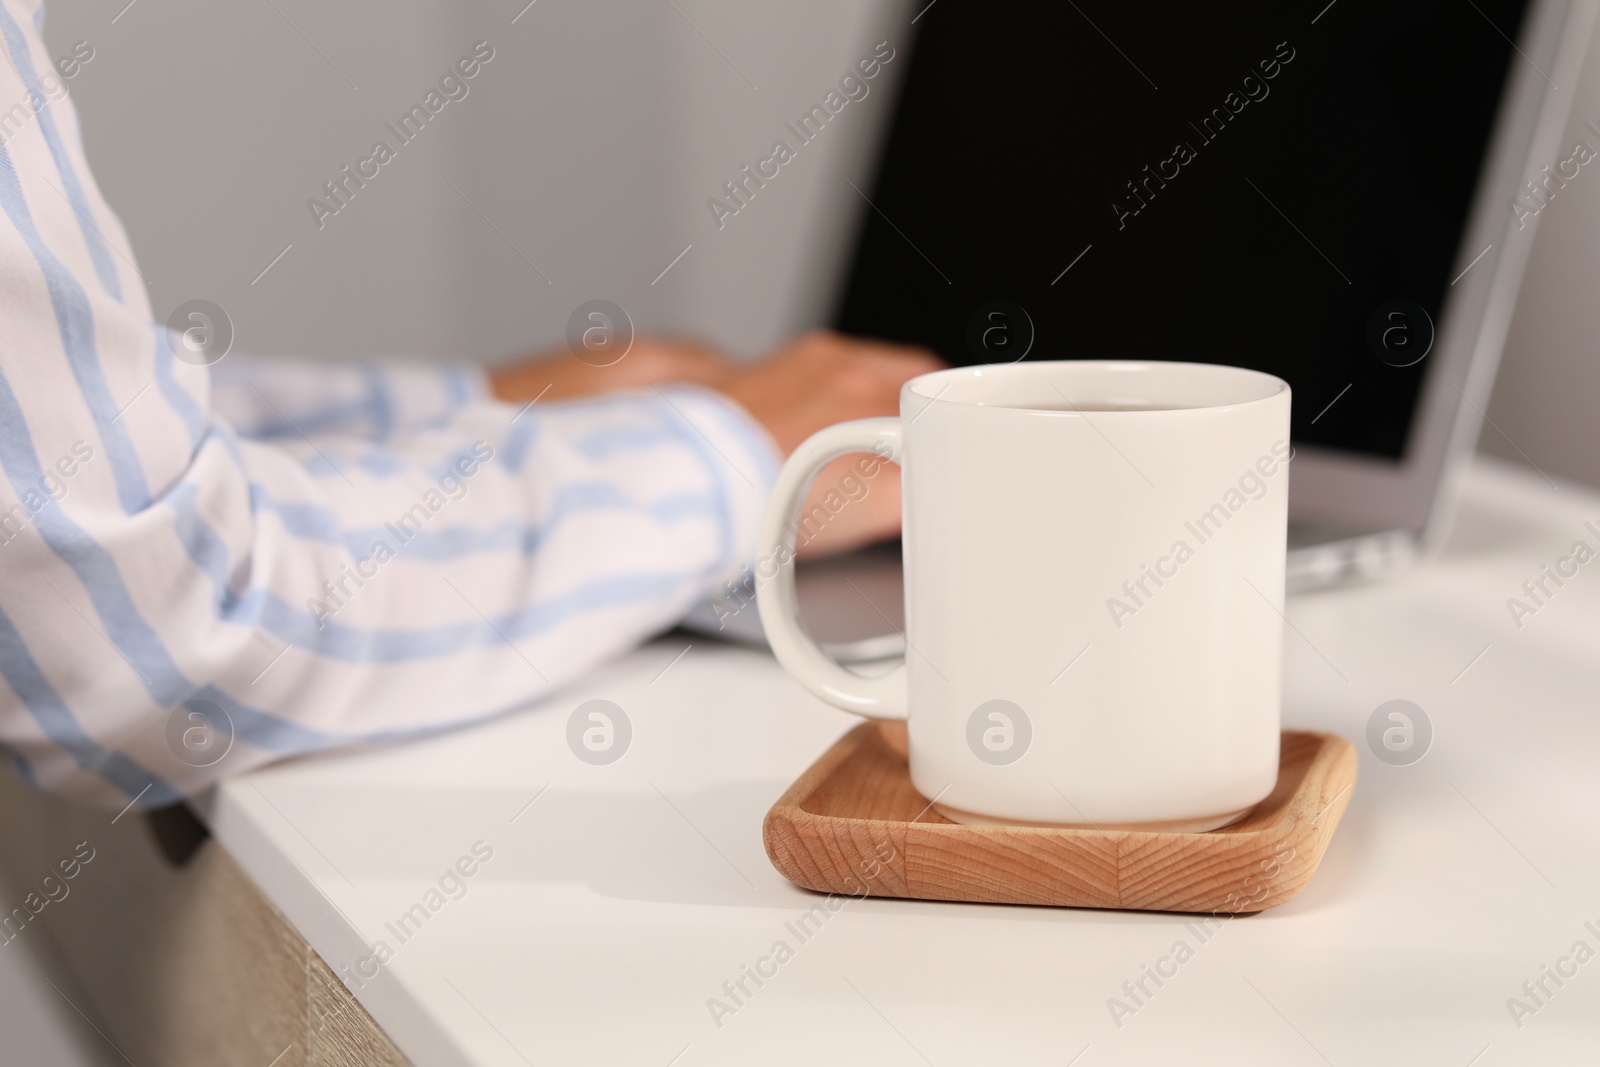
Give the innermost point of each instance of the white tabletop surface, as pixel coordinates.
(619, 902)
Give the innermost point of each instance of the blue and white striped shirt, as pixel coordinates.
(286, 557)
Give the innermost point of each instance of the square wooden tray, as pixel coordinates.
(854, 824)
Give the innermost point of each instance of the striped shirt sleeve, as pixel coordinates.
(377, 399)
(204, 569)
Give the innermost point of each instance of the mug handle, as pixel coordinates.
(874, 698)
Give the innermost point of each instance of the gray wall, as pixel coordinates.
(591, 143)
(1543, 409)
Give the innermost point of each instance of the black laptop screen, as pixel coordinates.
(1236, 184)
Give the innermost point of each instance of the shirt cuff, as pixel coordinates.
(426, 393)
(744, 460)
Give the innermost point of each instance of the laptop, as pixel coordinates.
(1342, 195)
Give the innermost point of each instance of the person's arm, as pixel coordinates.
(165, 580)
(315, 590)
(315, 601)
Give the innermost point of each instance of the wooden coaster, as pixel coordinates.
(853, 824)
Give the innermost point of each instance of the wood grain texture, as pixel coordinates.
(339, 1032)
(853, 823)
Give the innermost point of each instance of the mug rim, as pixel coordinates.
(934, 385)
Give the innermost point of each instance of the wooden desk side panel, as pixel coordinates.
(183, 967)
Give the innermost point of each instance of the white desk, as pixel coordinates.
(626, 895)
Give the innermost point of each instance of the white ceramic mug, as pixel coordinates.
(1094, 558)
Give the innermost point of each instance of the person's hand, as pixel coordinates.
(811, 383)
(821, 378)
